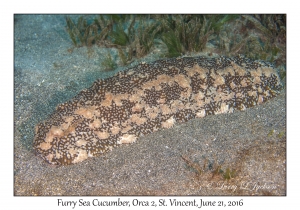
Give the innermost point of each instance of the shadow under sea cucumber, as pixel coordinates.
(149, 97)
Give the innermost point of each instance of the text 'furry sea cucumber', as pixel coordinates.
(149, 97)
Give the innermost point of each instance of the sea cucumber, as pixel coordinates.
(149, 97)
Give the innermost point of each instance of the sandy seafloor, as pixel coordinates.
(252, 142)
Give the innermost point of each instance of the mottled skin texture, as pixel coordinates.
(150, 97)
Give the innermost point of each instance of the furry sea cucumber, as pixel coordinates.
(149, 97)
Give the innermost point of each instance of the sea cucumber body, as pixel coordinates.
(149, 97)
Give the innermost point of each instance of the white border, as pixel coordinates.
(8, 201)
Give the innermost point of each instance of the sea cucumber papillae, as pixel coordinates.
(150, 97)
